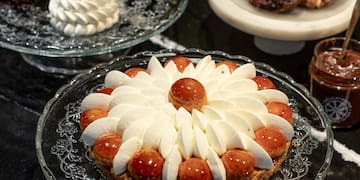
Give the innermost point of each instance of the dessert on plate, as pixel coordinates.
(186, 120)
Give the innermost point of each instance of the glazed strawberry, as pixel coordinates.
(230, 64)
(239, 164)
(264, 83)
(146, 164)
(272, 140)
(105, 90)
(194, 169)
(91, 115)
(187, 93)
(132, 72)
(105, 148)
(280, 109)
(180, 62)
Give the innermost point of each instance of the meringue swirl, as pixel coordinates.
(83, 17)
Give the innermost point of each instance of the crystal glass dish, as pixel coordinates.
(26, 29)
(61, 153)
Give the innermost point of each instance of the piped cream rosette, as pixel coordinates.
(139, 110)
(83, 17)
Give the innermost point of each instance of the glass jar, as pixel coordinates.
(336, 82)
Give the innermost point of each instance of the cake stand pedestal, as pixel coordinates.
(278, 47)
(284, 33)
(64, 66)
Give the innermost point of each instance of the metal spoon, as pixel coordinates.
(350, 30)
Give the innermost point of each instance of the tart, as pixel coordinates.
(181, 120)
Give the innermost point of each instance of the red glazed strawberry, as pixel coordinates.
(132, 72)
(105, 90)
(105, 148)
(280, 109)
(230, 64)
(264, 83)
(239, 164)
(272, 140)
(194, 169)
(180, 62)
(91, 115)
(146, 164)
(187, 93)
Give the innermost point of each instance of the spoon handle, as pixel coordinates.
(350, 30)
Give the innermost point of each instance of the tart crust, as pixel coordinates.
(258, 174)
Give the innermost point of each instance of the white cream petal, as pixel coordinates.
(95, 100)
(115, 78)
(120, 109)
(167, 141)
(189, 70)
(211, 113)
(247, 71)
(242, 85)
(203, 63)
(262, 158)
(221, 72)
(143, 76)
(185, 140)
(201, 144)
(127, 98)
(123, 89)
(97, 128)
(172, 164)
(182, 116)
(133, 115)
(249, 103)
(254, 120)
(271, 120)
(221, 105)
(199, 119)
(216, 166)
(216, 138)
(230, 135)
(152, 135)
(239, 123)
(273, 95)
(136, 128)
(156, 69)
(125, 153)
(138, 83)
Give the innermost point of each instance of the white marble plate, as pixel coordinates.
(300, 24)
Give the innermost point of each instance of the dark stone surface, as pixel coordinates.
(24, 90)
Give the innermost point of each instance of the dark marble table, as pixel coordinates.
(24, 90)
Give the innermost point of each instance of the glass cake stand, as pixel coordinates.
(26, 29)
(284, 33)
(62, 155)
